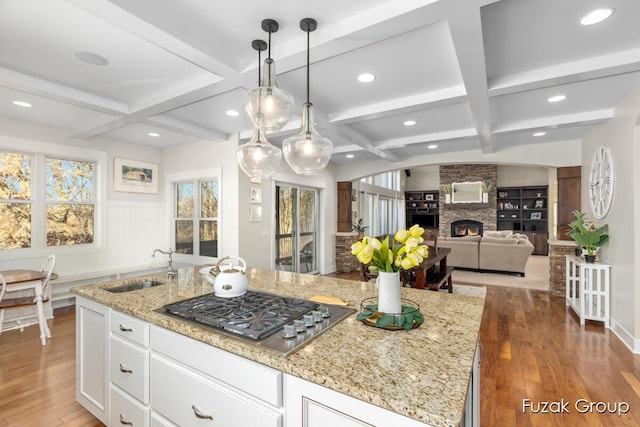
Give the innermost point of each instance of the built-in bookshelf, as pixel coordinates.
(423, 208)
(525, 210)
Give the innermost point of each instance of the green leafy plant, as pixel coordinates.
(587, 234)
(486, 187)
(359, 226)
(447, 188)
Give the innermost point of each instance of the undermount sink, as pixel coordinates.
(134, 286)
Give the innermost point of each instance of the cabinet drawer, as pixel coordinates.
(188, 399)
(129, 368)
(126, 411)
(255, 379)
(158, 420)
(129, 327)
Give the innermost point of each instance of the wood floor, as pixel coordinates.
(533, 349)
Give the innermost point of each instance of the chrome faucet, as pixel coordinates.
(171, 272)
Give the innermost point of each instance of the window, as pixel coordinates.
(196, 217)
(70, 196)
(16, 205)
(46, 201)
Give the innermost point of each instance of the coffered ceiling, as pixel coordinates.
(471, 74)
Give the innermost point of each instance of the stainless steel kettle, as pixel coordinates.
(230, 280)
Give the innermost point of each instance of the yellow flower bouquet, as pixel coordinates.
(405, 252)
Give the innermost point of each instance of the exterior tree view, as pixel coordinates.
(70, 196)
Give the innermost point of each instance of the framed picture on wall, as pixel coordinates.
(255, 195)
(255, 213)
(133, 176)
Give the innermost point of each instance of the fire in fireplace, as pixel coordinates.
(466, 227)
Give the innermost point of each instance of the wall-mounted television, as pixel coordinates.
(425, 220)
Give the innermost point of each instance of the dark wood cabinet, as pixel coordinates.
(540, 241)
(344, 206)
(569, 181)
(423, 208)
(525, 210)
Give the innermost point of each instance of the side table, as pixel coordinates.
(587, 289)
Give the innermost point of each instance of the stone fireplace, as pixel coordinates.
(466, 227)
(483, 213)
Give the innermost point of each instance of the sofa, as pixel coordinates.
(502, 251)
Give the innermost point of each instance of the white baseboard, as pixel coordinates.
(628, 339)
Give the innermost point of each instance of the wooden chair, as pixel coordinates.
(26, 305)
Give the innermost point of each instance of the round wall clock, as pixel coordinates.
(601, 182)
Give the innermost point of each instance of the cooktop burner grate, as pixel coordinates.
(254, 314)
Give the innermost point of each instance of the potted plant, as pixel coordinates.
(447, 192)
(588, 235)
(486, 189)
(360, 228)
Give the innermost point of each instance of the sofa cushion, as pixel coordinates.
(501, 240)
(465, 238)
(501, 233)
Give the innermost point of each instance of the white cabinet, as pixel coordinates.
(311, 405)
(195, 384)
(127, 411)
(128, 370)
(92, 343)
(587, 289)
(190, 399)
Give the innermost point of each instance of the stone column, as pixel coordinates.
(345, 261)
(558, 249)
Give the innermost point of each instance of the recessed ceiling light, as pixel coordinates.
(432, 146)
(22, 104)
(409, 123)
(539, 134)
(557, 98)
(92, 58)
(153, 134)
(350, 156)
(366, 78)
(232, 113)
(596, 16)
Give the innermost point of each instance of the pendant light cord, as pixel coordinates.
(308, 66)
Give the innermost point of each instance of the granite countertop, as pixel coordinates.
(422, 373)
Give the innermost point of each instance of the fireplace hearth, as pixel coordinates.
(466, 227)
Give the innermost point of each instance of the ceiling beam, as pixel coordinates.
(463, 17)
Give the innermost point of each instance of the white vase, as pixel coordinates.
(485, 197)
(447, 198)
(389, 292)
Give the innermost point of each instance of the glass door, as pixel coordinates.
(296, 229)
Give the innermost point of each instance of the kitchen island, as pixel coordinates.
(417, 376)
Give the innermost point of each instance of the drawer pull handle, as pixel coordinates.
(124, 421)
(125, 329)
(125, 369)
(199, 414)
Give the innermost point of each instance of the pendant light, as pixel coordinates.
(268, 106)
(307, 152)
(258, 158)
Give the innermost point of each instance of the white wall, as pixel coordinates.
(132, 218)
(621, 136)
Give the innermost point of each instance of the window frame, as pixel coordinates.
(39, 151)
(194, 177)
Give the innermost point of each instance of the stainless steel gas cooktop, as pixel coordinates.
(279, 323)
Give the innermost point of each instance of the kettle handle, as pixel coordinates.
(243, 268)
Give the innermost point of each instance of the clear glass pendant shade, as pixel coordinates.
(258, 158)
(268, 106)
(307, 152)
